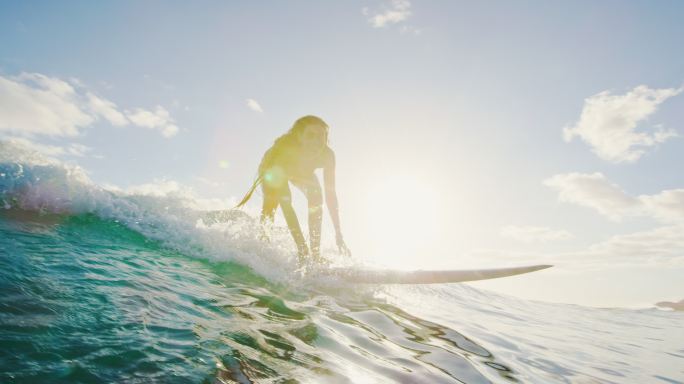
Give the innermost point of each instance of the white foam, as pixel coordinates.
(165, 212)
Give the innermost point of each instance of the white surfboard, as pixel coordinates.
(388, 276)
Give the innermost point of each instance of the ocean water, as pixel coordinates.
(99, 285)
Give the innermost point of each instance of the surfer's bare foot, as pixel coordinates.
(312, 261)
(318, 260)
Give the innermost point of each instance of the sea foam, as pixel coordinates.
(174, 217)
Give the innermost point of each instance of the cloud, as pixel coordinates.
(593, 191)
(597, 192)
(157, 188)
(184, 195)
(398, 11)
(667, 205)
(608, 123)
(211, 183)
(410, 29)
(530, 234)
(32, 104)
(106, 109)
(659, 246)
(51, 151)
(160, 120)
(79, 150)
(254, 106)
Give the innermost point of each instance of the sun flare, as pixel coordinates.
(403, 219)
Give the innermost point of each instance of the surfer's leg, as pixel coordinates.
(268, 209)
(285, 201)
(312, 189)
(269, 206)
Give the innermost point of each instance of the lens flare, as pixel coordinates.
(403, 218)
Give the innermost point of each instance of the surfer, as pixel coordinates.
(293, 158)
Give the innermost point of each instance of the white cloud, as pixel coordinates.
(254, 106)
(33, 104)
(79, 150)
(531, 234)
(211, 183)
(608, 123)
(667, 205)
(593, 191)
(659, 246)
(398, 11)
(160, 120)
(170, 189)
(597, 192)
(45, 149)
(106, 109)
(51, 151)
(158, 188)
(410, 29)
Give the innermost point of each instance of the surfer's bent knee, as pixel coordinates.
(314, 196)
(315, 200)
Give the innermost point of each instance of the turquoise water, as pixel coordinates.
(90, 300)
(100, 286)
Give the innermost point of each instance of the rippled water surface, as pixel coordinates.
(89, 300)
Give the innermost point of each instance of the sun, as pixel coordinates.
(402, 220)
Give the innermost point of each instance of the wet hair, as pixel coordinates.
(283, 143)
(290, 137)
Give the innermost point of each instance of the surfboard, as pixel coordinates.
(388, 276)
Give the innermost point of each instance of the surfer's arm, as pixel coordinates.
(331, 200)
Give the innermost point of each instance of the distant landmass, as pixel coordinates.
(678, 306)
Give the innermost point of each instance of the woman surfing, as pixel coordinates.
(293, 158)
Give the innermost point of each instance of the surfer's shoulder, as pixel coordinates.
(328, 156)
(270, 158)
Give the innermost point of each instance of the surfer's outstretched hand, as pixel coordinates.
(341, 246)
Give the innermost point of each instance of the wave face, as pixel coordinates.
(104, 286)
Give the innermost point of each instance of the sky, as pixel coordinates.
(467, 134)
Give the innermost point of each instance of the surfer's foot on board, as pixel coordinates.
(309, 261)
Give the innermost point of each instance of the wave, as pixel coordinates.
(86, 299)
(35, 183)
(90, 300)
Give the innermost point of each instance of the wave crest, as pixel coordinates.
(172, 216)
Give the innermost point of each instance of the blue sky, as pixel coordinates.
(465, 103)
